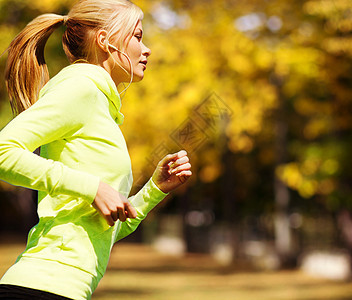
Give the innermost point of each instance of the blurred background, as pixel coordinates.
(259, 93)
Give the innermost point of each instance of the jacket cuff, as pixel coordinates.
(147, 198)
(158, 192)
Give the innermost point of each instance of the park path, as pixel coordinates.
(139, 272)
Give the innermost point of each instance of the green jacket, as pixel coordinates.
(76, 123)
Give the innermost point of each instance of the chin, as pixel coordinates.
(137, 77)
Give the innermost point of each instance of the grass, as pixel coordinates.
(139, 272)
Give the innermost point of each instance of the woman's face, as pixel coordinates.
(138, 54)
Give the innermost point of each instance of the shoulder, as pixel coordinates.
(67, 88)
(77, 87)
(69, 83)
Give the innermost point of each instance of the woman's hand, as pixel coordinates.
(112, 205)
(172, 171)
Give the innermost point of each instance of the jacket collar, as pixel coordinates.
(104, 82)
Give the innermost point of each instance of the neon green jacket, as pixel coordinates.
(76, 123)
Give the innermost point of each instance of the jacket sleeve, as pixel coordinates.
(144, 201)
(60, 112)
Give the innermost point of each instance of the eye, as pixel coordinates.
(139, 37)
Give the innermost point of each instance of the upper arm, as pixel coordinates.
(59, 112)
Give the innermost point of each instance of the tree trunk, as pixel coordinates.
(283, 234)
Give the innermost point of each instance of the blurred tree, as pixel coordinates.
(258, 92)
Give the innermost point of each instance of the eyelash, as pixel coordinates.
(139, 38)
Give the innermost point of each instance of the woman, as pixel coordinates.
(84, 173)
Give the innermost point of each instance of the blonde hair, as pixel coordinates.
(26, 70)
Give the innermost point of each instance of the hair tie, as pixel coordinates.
(65, 19)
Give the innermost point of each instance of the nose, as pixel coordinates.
(146, 51)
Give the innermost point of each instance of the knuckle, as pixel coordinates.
(113, 209)
(105, 212)
(120, 208)
(120, 204)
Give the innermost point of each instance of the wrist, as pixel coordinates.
(159, 186)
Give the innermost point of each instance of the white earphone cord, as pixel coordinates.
(129, 61)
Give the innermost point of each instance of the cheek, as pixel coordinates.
(135, 51)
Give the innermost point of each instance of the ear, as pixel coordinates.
(102, 40)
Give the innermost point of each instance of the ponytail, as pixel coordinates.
(26, 70)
